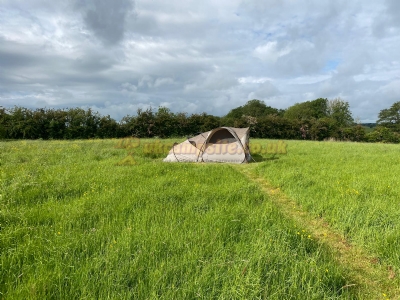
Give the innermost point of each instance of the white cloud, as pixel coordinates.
(263, 91)
(392, 90)
(251, 79)
(163, 81)
(146, 81)
(270, 52)
(198, 56)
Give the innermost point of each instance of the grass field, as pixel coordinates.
(355, 187)
(103, 219)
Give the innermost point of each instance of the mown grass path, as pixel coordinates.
(378, 281)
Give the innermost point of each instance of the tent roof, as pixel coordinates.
(201, 138)
(240, 132)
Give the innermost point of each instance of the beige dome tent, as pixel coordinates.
(223, 144)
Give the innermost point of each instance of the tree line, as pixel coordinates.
(318, 119)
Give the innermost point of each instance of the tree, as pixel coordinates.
(141, 125)
(383, 135)
(164, 123)
(58, 123)
(91, 125)
(276, 127)
(253, 108)
(390, 117)
(315, 109)
(185, 125)
(108, 128)
(75, 123)
(20, 123)
(321, 129)
(339, 110)
(4, 120)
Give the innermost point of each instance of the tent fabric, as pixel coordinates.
(223, 144)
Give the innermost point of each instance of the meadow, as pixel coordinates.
(107, 219)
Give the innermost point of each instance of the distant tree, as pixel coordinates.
(57, 123)
(108, 128)
(185, 125)
(355, 133)
(20, 123)
(127, 126)
(253, 108)
(40, 123)
(4, 120)
(390, 117)
(317, 119)
(308, 110)
(145, 122)
(276, 127)
(383, 135)
(322, 128)
(164, 123)
(75, 123)
(210, 122)
(91, 124)
(339, 110)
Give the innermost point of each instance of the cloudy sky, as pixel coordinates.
(198, 56)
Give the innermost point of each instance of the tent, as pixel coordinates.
(223, 144)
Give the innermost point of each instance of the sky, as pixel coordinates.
(116, 56)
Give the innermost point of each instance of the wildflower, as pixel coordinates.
(58, 232)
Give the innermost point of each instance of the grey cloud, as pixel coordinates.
(387, 21)
(393, 9)
(264, 91)
(14, 60)
(163, 81)
(392, 90)
(106, 18)
(93, 63)
(196, 56)
(218, 81)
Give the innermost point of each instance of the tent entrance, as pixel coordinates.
(222, 136)
(223, 146)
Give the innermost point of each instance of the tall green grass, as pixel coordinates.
(354, 186)
(81, 221)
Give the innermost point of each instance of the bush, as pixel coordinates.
(383, 135)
